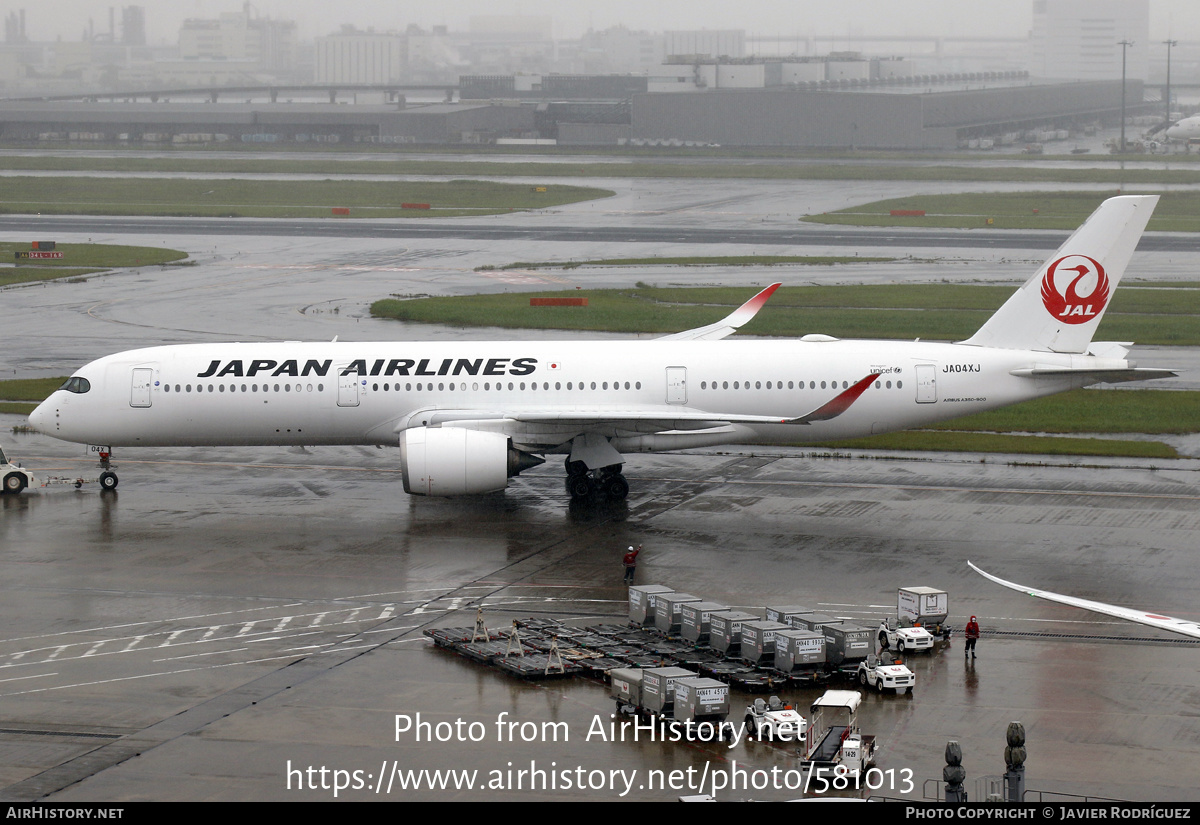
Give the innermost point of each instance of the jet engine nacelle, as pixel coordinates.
(455, 461)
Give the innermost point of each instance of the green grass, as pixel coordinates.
(804, 166)
(10, 408)
(928, 311)
(80, 259)
(992, 443)
(29, 274)
(29, 389)
(275, 198)
(1155, 412)
(1176, 211)
(712, 260)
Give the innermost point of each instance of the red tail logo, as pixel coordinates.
(1085, 293)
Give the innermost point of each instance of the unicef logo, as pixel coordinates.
(1075, 289)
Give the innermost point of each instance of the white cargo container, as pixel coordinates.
(925, 606)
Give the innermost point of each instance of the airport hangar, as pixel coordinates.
(934, 115)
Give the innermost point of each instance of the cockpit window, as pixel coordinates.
(76, 384)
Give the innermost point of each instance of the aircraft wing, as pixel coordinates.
(727, 325)
(642, 419)
(1152, 619)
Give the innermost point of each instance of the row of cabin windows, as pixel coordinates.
(812, 385)
(389, 387)
(487, 386)
(244, 388)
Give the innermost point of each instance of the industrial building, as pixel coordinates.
(746, 103)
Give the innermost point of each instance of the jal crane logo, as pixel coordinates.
(1075, 289)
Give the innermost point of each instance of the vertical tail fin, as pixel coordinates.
(1059, 308)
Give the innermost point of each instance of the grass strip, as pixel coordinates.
(699, 260)
(29, 389)
(815, 167)
(956, 442)
(79, 259)
(948, 312)
(1176, 211)
(1156, 412)
(276, 198)
(31, 274)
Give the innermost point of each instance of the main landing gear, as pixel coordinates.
(583, 483)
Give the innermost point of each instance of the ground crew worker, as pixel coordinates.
(630, 562)
(972, 634)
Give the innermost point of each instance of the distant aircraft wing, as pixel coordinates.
(1152, 619)
(727, 325)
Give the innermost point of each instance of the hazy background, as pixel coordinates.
(67, 19)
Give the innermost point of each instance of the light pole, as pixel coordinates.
(1169, 44)
(1124, 44)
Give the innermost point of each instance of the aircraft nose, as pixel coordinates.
(40, 419)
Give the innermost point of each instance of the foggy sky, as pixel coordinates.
(67, 19)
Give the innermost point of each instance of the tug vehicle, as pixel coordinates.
(882, 676)
(904, 639)
(14, 478)
(775, 720)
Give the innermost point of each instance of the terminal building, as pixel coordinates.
(837, 102)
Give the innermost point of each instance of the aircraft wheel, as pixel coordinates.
(108, 480)
(580, 486)
(616, 487)
(14, 483)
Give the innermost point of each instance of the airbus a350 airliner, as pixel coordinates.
(467, 416)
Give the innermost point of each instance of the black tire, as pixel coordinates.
(883, 642)
(899, 645)
(616, 487)
(108, 480)
(751, 727)
(879, 684)
(14, 483)
(862, 678)
(580, 486)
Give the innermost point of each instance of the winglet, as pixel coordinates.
(727, 325)
(838, 405)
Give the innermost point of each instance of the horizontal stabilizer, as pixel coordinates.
(1098, 375)
(727, 325)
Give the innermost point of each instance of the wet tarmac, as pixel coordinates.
(228, 614)
(228, 620)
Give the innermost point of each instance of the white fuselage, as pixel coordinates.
(367, 393)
